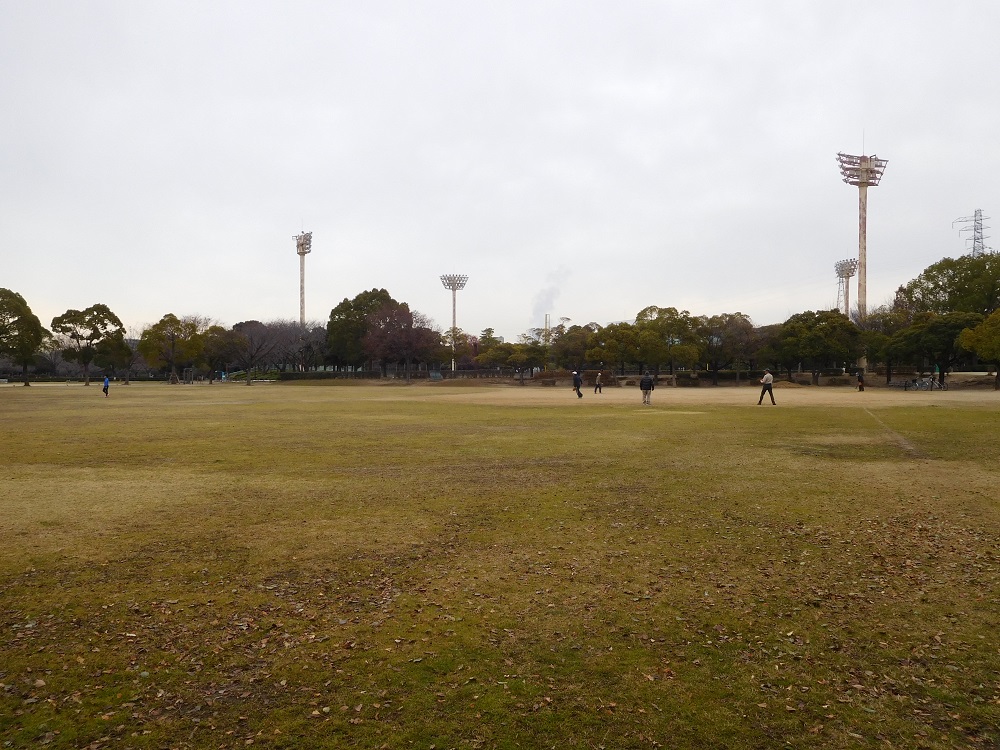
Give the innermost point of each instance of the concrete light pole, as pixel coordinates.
(454, 281)
(303, 246)
(862, 171)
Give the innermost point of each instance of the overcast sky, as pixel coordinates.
(581, 159)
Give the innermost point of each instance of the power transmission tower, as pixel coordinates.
(974, 224)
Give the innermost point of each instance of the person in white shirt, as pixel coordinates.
(766, 386)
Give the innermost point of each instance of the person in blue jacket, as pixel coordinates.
(577, 384)
(107, 385)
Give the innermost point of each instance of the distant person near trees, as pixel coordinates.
(766, 382)
(577, 384)
(646, 385)
(107, 385)
(597, 384)
(861, 380)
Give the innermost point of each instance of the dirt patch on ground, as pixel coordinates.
(849, 439)
(787, 395)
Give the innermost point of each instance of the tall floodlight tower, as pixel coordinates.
(862, 171)
(845, 270)
(454, 281)
(303, 246)
(974, 224)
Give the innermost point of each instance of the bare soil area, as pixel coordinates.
(788, 395)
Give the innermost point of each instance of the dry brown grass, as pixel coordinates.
(215, 566)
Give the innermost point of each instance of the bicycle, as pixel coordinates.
(929, 384)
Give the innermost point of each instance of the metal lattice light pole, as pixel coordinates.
(303, 246)
(845, 270)
(454, 281)
(862, 171)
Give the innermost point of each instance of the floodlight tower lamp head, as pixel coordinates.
(846, 268)
(861, 170)
(454, 281)
(303, 243)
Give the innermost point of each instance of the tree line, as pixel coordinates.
(945, 317)
(96, 337)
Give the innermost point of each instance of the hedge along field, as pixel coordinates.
(497, 567)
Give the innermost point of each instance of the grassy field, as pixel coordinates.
(499, 567)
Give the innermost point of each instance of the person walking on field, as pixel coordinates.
(646, 386)
(107, 385)
(597, 383)
(577, 384)
(766, 382)
(861, 380)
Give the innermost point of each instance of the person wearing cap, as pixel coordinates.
(646, 386)
(766, 382)
(597, 383)
(577, 384)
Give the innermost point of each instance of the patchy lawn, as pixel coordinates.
(431, 566)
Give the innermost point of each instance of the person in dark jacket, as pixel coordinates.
(577, 384)
(861, 380)
(646, 386)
